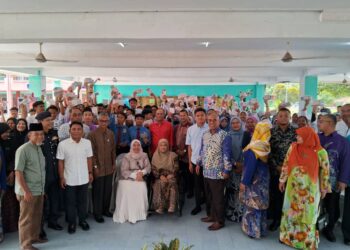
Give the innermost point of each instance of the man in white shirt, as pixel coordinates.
(343, 126)
(75, 171)
(194, 142)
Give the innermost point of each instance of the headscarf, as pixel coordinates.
(227, 128)
(251, 131)
(305, 154)
(132, 154)
(237, 138)
(259, 143)
(165, 160)
(3, 128)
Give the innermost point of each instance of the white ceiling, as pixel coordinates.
(163, 39)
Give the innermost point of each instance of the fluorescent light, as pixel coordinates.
(121, 44)
(206, 44)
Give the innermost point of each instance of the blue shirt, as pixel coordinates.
(194, 139)
(215, 154)
(338, 150)
(124, 138)
(144, 132)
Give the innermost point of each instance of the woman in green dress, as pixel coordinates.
(306, 172)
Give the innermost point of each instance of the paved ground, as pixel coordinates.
(188, 229)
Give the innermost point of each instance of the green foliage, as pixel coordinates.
(329, 93)
(173, 245)
(283, 92)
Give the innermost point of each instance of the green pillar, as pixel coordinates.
(311, 83)
(37, 84)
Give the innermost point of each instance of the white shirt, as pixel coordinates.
(75, 156)
(342, 129)
(194, 139)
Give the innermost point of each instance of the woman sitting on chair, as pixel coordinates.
(132, 200)
(164, 168)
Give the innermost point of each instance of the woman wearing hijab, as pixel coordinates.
(224, 123)
(164, 169)
(11, 210)
(254, 188)
(306, 172)
(132, 200)
(4, 135)
(250, 124)
(240, 139)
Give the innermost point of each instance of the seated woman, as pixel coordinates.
(254, 188)
(164, 168)
(132, 200)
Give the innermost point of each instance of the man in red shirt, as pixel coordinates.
(160, 129)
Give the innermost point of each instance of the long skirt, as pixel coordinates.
(131, 201)
(10, 211)
(300, 211)
(234, 207)
(254, 222)
(164, 194)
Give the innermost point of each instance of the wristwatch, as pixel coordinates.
(95, 167)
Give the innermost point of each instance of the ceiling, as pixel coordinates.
(163, 40)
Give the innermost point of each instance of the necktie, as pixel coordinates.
(119, 136)
(138, 133)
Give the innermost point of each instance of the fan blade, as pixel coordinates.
(63, 61)
(311, 58)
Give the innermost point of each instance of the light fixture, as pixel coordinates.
(206, 44)
(121, 44)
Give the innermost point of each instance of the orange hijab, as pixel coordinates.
(305, 154)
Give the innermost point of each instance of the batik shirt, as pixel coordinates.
(280, 142)
(215, 154)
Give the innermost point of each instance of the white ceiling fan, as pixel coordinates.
(42, 59)
(287, 57)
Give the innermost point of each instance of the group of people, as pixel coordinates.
(129, 160)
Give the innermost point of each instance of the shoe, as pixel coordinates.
(190, 195)
(55, 226)
(216, 226)
(84, 225)
(108, 214)
(71, 228)
(159, 211)
(196, 210)
(171, 210)
(39, 241)
(274, 226)
(99, 219)
(207, 219)
(347, 242)
(329, 235)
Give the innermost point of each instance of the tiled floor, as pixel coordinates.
(188, 229)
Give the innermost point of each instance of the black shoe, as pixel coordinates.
(43, 235)
(190, 195)
(99, 219)
(55, 226)
(347, 242)
(196, 210)
(108, 214)
(274, 226)
(84, 225)
(329, 235)
(71, 228)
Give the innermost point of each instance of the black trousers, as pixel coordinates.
(199, 194)
(101, 194)
(215, 199)
(331, 204)
(276, 201)
(187, 177)
(52, 202)
(346, 215)
(76, 203)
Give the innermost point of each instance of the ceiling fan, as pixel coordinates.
(287, 57)
(42, 59)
